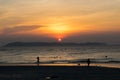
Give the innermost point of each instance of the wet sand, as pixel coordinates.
(58, 73)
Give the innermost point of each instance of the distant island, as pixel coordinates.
(25, 44)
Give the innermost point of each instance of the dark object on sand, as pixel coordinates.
(88, 62)
(51, 77)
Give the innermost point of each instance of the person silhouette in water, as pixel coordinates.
(38, 61)
(88, 62)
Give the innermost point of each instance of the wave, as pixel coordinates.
(83, 61)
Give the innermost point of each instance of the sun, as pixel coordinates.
(59, 40)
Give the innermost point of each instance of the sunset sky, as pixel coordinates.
(66, 20)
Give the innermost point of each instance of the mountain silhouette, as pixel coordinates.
(51, 44)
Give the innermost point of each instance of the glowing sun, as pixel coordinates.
(59, 31)
(59, 40)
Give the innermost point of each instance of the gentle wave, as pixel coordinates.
(82, 61)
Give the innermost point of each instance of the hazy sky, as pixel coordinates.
(69, 20)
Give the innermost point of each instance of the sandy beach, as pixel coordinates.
(58, 73)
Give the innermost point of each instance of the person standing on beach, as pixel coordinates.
(88, 62)
(38, 61)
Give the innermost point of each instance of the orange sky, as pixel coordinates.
(59, 18)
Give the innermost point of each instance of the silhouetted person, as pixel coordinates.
(78, 64)
(106, 57)
(88, 62)
(38, 61)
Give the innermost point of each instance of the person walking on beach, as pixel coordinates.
(88, 62)
(38, 61)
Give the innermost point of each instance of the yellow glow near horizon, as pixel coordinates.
(59, 30)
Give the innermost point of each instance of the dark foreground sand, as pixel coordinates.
(58, 73)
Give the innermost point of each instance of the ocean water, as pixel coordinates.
(61, 54)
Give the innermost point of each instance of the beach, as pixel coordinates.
(58, 73)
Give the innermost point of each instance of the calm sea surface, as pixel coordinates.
(61, 54)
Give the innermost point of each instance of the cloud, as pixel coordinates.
(21, 28)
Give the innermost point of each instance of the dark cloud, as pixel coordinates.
(21, 28)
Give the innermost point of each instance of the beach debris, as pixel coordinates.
(48, 78)
(51, 77)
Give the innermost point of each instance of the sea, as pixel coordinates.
(107, 55)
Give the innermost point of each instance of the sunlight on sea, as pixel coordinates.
(60, 55)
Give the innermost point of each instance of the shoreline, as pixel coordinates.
(107, 65)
